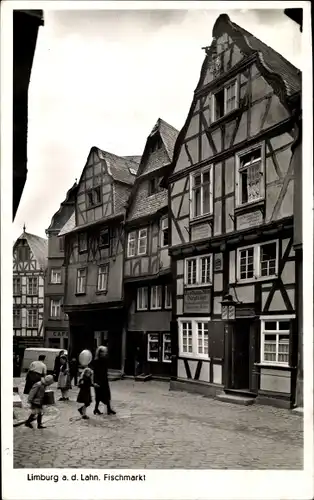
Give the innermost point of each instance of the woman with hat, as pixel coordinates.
(101, 382)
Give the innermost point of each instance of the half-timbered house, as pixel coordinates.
(147, 272)
(93, 246)
(29, 266)
(231, 225)
(55, 319)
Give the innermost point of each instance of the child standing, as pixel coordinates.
(36, 399)
(85, 394)
(64, 382)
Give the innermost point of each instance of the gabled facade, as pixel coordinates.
(231, 202)
(29, 266)
(147, 271)
(93, 246)
(56, 321)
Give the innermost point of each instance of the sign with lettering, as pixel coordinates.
(200, 231)
(251, 219)
(197, 300)
(58, 334)
(245, 312)
(218, 262)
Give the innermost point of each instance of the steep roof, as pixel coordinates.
(38, 246)
(135, 158)
(169, 136)
(68, 226)
(59, 219)
(119, 167)
(150, 205)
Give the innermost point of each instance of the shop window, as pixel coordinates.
(153, 347)
(166, 348)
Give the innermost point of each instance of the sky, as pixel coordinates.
(103, 78)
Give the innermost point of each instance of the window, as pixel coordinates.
(55, 276)
(131, 244)
(61, 244)
(104, 239)
(32, 286)
(32, 318)
(201, 195)
(166, 348)
(156, 297)
(225, 100)
(81, 281)
(168, 297)
(164, 232)
(258, 261)
(250, 176)
(153, 347)
(94, 197)
(198, 271)
(102, 281)
(16, 318)
(55, 308)
(23, 253)
(16, 286)
(142, 242)
(142, 299)
(154, 186)
(193, 337)
(275, 341)
(82, 240)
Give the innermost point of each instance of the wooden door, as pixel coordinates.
(241, 355)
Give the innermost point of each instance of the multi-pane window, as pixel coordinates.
(193, 337)
(250, 176)
(16, 286)
(275, 341)
(153, 347)
(225, 100)
(201, 193)
(32, 286)
(166, 348)
(164, 232)
(94, 197)
(102, 280)
(142, 242)
(55, 308)
(258, 261)
(55, 276)
(156, 297)
(82, 240)
(32, 318)
(16, 318)
(142, 298)
(104, 238)
(198, 271)
(168, 297)
(131, 244)
(81, 281)
(230, 97)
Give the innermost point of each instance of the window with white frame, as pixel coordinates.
(258, 261)
(82, 239)
(198, 271)
(225, 100)
(168, 297)
(275, 341)
(16, 318)
(250, 169)
(32, 318)
(131, 244)
(16, 286)
(102, 280)
(142, 298)
(156, 297)
(81, 281)
(32, 286)
(201, 193)
(142, 242)
(166, 348)
(55, 308)
(153, 347)
(55, 276)
(164, 232)
(193, 337)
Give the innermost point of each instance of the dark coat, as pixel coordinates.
(84, 395)
(102, 393)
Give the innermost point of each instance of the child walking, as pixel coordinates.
(36, 400)
(85, 394)
(64, 381)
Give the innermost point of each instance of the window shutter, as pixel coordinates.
(216, 343)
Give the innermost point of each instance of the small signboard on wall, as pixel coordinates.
(197, 300)
(250, 219)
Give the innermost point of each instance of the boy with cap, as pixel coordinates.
(36, 400)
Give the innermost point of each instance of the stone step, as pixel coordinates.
(114, 375)
(143, 378)
(238, 400)
(17, 402)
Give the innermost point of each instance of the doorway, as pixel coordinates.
(135, 353)
(241, 355)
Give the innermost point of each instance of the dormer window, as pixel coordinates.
(154, 186)
(93, 197)
(157, 144)
(225, 100)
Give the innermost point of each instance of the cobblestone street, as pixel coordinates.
(158, 428)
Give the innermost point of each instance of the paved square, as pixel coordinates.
(159, 429)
